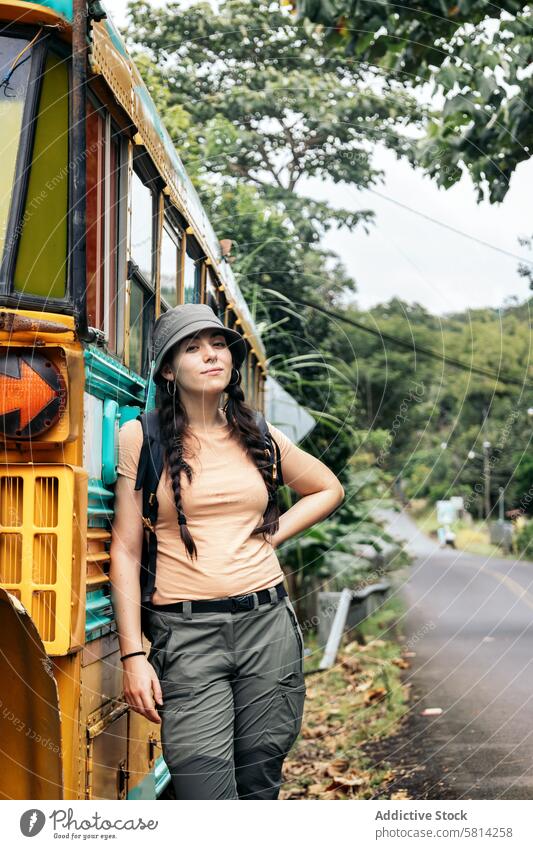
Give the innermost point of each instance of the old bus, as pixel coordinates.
(100, 231)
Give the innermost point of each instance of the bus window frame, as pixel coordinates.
(203, 277)
(141, 164)
(122, 237)
(114, 135)
(8, 295)
(170, 222)
(212, 289)
(196, 247)
(143, 173)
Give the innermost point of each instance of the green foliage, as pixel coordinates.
(476, 55)
(523, 541)
(265, 106)
(254, 107)
(330, 550)
(413, 405)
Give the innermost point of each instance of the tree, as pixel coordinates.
(476, 54)
(436, 416)
(265, 106)
(275, 270)
(254, 107)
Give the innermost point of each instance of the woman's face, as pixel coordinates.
(201, 363)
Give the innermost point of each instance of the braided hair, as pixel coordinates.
(173, 424)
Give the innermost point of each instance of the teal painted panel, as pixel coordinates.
(128, 413)
(152, 784)
(114, 35)
(100, 501)
(62, 7)
(110, 442)
(99, 613)
(145, 789)
(106, 377)
(162, 775)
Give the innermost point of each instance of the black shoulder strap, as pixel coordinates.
(149, 472)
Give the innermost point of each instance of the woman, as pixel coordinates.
(225, 667)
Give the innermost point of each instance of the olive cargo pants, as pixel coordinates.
(233, 696)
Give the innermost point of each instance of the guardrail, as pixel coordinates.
(351, 607)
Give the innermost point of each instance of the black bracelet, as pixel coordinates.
(132, 654)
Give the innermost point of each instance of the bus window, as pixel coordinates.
(142, 311)
(170, 264)
(244, 378)
(212, 294)
(253, 382)
(103, 222)
(12, 99)
(95, 217)
(115, 229)
(142, 231)
(42, 252)
(192, 273)
(144, 216)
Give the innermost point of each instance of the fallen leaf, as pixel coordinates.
(336, 766)
(341, 782)
(298, 769)
(373, 644)
(352, 664)
(316, 789)
(399, 661)
(375, 695)
(400, 794)
(295, 793)
(317, 731)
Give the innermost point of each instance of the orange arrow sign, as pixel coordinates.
(28, 393)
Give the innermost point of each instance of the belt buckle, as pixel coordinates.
(242, 602)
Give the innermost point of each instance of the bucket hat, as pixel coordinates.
(184, 320)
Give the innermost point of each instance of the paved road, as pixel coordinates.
(470, 621)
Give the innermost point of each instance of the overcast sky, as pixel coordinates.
(410, 257)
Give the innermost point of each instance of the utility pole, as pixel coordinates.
(486, 475)
(501, 512)
(486, 464)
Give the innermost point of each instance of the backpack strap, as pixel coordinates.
(149, 472)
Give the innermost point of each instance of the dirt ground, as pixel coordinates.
(356, 740)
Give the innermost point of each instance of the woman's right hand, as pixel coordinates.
(141, 687)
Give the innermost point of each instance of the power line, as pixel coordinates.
(421, 349)
(451, 228)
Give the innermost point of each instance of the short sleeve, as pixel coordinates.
(285, 444)
(130, 438)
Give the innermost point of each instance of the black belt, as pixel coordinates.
(231, 604)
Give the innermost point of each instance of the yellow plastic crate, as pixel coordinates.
(43, 533)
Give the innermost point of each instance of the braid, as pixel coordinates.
(173, 426)
(241, 418)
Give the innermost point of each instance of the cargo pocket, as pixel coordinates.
(286, 716)
(157, 654)
(298, 632)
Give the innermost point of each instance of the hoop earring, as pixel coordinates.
(235, 382)
(168, 385)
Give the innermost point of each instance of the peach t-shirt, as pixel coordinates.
(223, 504)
